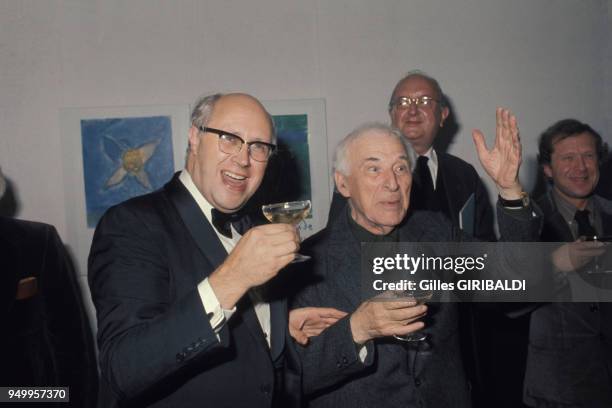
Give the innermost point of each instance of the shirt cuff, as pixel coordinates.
(362, 350)
(217, 316)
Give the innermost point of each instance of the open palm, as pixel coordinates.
(503, 161)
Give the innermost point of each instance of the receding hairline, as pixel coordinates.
(433, 82)
(363, 137)
(225, 98)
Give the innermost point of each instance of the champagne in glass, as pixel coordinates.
(418, 296)
(291, 212)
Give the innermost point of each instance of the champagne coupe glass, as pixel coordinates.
(290, 212)
(419, 296)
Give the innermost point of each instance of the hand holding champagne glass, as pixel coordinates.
(290, 212)
(420, 297)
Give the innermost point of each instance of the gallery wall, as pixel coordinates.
(544, 59)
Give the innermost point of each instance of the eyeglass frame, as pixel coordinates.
(418, 101)
(220, 133)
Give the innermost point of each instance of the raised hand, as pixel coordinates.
(376, 318)
(307, 322)
(259, 255)
(503, 161)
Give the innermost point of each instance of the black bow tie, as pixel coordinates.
(223, 222)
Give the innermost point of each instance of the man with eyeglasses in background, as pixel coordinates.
(442, 182)
(184, 317)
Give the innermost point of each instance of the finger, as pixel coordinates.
(506, 119)
(272, 229)
(301, 339)
(314, 331)
(408, 328)
(331, 312)
(286, 259)
(280, 239)
(499, 119)
(398, 304)
(589, 252)
(407, 313)
(481, 145)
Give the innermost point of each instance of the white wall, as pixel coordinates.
(545, 59)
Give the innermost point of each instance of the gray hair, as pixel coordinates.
(420, 74)
(340, 163)
(200, 115)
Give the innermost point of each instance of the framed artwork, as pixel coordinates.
(113, 154)
(301, 171)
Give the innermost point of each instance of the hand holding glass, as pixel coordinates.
(418, 296)
(291, 212)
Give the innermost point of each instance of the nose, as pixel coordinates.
(391, 183)
(580, 163)
(242, 158)
(413, 109)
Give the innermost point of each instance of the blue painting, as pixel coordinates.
(124, 158)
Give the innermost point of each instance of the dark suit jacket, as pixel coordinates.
(569, 361)
(157, 347)
(46, 338)
(459, 180)
(392, 375)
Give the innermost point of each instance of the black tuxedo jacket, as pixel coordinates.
(157, 347)
(459, 180)
(569, 362)
(46, 339)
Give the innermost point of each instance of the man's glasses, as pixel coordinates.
(230, 143)
(404, 102)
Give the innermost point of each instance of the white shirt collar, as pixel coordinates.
(206, 208)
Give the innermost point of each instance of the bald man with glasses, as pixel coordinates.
(179, 284)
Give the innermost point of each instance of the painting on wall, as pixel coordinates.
(114, 154)
(124, 158)
(299, 170)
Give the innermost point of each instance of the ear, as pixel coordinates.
(547, 170)
(194, 140)
(444, 115)
(342, 184)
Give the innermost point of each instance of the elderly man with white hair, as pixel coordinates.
(357, 362)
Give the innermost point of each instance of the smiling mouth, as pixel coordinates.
(234, 176)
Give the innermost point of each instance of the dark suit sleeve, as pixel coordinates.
(484, 213)
(146, 334)
(332, 358)
(519, 225)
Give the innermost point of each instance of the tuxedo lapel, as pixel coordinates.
(195, 222)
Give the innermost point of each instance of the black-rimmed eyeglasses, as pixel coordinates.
(230, 143)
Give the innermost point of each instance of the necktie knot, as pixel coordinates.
(585, 228)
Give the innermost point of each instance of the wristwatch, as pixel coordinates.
(518, 203)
